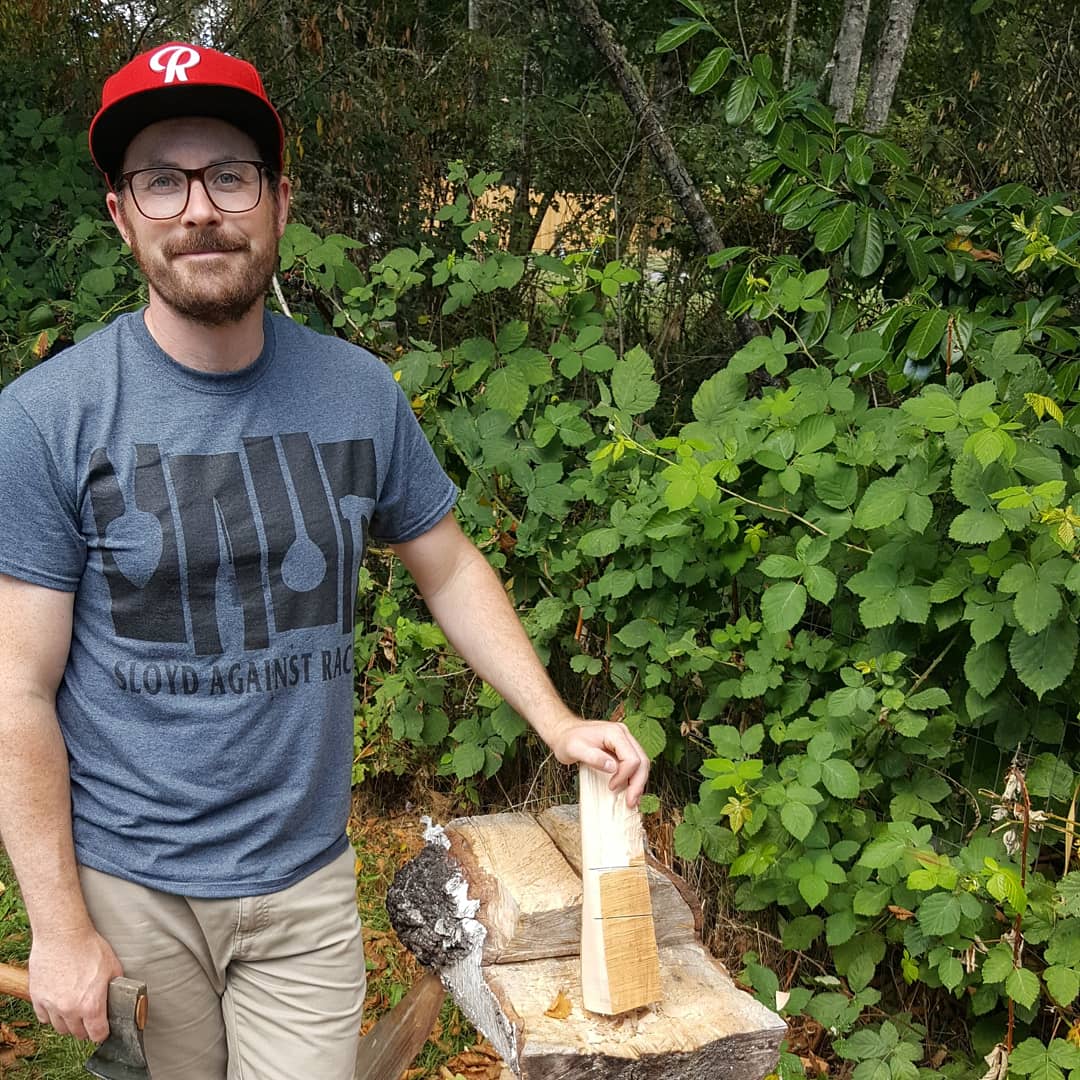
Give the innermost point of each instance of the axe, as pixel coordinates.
(120, 1056)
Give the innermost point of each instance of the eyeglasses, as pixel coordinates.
(232, 186)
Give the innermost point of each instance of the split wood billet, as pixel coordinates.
(620, 968)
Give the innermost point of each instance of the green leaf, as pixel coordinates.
(637, 633)
(883, 852)
(870, 900)
(867, 243)
(1044, 661)
(649, 732)
(783, 605)
(468, 760)
(1022, 986)
(672, 39)
(836, 485)
(800, 933)
(507, 390)
(1038, 599)
(1033, 1058)
(998, 964)
(1063, 983)
(883, 502)
(741, 98)
(99, 281)
(820, 583)
(976, 527)
(710, 71)
(927, 334)
(798, 819)
(718, 395)
(688, 839)
(985, 666)
(600, 542)
(781, 566)
(512, 336)
(813, 888)
(834, 228)
(939, 914)
(841, 779)
(632, 383)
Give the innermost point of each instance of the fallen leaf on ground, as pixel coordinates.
(560, 1008)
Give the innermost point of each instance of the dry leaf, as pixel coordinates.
(560, 1008)
(41, 346)
(998, 1060)
(901, 913)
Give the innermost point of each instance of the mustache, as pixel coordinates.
(208, 240)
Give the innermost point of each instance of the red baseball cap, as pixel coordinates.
(182, 80)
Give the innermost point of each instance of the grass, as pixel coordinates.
(382, 842)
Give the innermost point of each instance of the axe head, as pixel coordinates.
(121, 1055)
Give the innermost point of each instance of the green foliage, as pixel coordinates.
(847, 565)
(62, 272)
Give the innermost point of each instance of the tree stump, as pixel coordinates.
(493, 904)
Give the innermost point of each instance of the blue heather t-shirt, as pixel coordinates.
(211, 527)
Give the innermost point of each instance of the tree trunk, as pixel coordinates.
(887, 63)
(789, 42)
(847, 58)
(648, 118)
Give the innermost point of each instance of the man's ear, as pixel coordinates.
(112, 201)
(284, 195)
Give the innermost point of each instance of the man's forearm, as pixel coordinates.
(35, 817)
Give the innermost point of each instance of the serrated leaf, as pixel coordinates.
(841, 779)
(870, 900)
(976, 527)
(508, 391)
(512, 336)
(649, 732)
(998, 964)
(600, 542)
(783, 605)
(985, 666)
(813, 888)
(1044, 661)
(1063, 983)
(798, 819)
(632, 383)
(882, 503)
(820, 583)
(718, 395)
(939, 914)
(468, 760)
(1022, 986)
(710, 71)
(836, 485)
(688, 839)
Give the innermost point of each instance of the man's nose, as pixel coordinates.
(200, 208)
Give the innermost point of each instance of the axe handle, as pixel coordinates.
(15, 981)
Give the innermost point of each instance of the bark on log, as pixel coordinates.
(704, 1028)
(885, 73)
(847, 58)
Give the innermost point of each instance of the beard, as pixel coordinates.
(215, 292)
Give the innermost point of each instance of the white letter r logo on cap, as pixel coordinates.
(174, 60)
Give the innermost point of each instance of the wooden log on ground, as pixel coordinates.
(531, 1009)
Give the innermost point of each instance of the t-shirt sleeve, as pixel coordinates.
(416, 493)
(40, 539)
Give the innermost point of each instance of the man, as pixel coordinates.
(186, 498)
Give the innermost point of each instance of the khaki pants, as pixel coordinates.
(254, 988)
